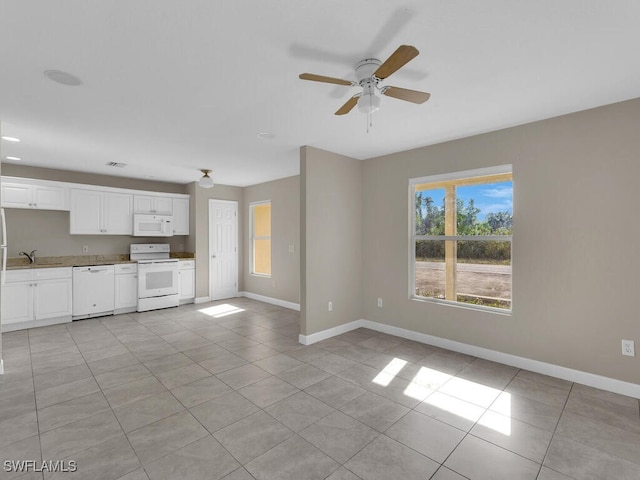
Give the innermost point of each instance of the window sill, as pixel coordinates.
(259, 275)
(467, 306)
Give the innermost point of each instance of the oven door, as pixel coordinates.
(158, 278)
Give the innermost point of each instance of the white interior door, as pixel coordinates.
(223, 249)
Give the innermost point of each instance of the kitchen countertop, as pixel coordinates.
(21, 263)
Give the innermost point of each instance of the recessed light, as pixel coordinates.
(15, 159)
(266, 136)
(10, 139)
(62, 78)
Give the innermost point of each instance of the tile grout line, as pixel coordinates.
(110, 409)
(553, 435)
(35, 400)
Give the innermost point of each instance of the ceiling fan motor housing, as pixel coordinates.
(366, 68)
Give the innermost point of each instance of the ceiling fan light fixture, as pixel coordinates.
(368, 103)
(206, 181)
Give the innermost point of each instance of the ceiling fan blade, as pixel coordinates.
(403, 55)
(322, 78)
(347, 107)
(413, 96)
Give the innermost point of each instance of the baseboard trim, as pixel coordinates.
(271, 300)
(331, 332)
(578, 376)
(202, 299)
(12, 327)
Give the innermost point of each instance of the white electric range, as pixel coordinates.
(158, 280)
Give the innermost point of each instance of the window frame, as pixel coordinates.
(451, 178)
(253, 238)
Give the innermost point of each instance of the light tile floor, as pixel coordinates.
(224, 390)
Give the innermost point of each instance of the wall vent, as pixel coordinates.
(116, 164)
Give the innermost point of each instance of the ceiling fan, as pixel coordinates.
(370, 72)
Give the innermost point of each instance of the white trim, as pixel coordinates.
(465, 238)
(578, 376)
(1, 366)
(330, 332)
(476, 172)
(12, 327)
(202, 299)
(271, 300)
(253, 238)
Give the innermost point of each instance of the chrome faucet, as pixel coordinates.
(31, 256)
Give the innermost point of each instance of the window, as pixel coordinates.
(461, 237)
(261, 238)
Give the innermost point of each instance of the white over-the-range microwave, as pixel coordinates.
(147, 225)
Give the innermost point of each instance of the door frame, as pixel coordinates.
(213, 201)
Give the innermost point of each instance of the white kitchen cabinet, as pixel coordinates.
(36, 297)
(152, 204)
(126, 288)
(181, 216)
(187, 274)
(33, 194)
(17, 303)
(95, 212)
(52, 298)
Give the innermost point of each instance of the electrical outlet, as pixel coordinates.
(292, 248)
(379, 303)
(85, 249)
(331, 306)
(628, 348)
(181, 247)
(273, 283)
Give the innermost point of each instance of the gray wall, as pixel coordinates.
(575, 269)
(331, 192)
(15, 170)
(284, 283)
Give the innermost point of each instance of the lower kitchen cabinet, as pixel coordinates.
(36, 297)
(126, 288)
(187, 275)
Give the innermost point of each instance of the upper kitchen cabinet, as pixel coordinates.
(152, 204)
(95, 212)
(181, 216)
(33, 194)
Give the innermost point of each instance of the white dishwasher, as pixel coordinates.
(93, 291)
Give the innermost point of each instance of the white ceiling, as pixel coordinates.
(172, 86)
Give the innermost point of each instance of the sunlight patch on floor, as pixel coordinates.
(502, 404)
(470, 391)
(431, 378)
(457, 396)
(389, 372)
(453, 405)
(219, 311)
(417, 391)
(497, 422)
